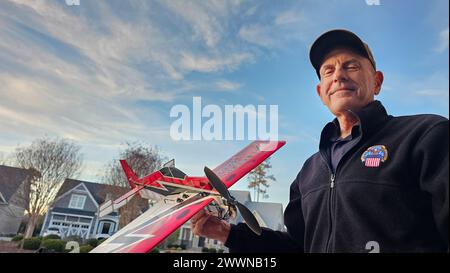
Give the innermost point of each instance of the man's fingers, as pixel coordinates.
(198, 225)
(197, 216)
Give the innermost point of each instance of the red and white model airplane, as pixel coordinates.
(179, 197)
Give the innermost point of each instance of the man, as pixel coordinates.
(378, 182)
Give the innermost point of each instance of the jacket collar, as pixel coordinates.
(371, 117)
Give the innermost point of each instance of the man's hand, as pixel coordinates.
(209, 226)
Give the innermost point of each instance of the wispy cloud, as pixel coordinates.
(207, 64)
(433, 86)
(280, 27)
(227, 85)
(288, 17)
(259, 35)
(82, 72)
(441, 93)
(77, 76)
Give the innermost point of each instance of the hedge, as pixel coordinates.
(32, 243)
(56, 245)
(155, 250)
(85, 248)
(92, 242)
(17, 238)
(51, 237)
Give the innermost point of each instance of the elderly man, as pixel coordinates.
(378, 182)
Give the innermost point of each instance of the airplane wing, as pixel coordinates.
(246, 160)
(149, 229)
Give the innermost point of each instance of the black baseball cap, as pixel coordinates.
(337, 38)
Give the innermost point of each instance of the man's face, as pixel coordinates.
(347, 81)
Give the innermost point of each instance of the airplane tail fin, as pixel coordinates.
(113, 205)
(132, 178)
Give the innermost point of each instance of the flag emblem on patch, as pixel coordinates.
(374, 155)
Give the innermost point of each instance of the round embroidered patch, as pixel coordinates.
(374, 155)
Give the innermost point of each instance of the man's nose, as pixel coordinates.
(340, 75)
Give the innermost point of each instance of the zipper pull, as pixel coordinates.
(332, 180)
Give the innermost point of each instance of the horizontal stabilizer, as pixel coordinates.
(112, 206)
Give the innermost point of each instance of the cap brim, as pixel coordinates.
(331, 40)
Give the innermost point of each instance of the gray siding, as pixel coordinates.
(22, 196)
(11, 216)
(64, 202)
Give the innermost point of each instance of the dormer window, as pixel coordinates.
(77, 201)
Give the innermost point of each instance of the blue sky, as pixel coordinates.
(106, 72)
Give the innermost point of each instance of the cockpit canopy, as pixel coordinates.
(172, 172)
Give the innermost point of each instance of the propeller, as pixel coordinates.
(248, 216)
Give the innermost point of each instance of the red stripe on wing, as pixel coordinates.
(246, 160)
(148, 230)
(164, 226)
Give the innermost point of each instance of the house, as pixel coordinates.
(74, 210)
(14, 198)
(269, 215)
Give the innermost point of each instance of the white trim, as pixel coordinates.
(77, 201)
(79, 185)
(95, 227)
(109, 217)
(66, 193)
(75, 189)
(75, 215)
(260, 220)
(64, 231)
(45, 221)
(90, 195)
(102, 223)
(3, 200)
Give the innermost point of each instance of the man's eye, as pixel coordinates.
(352, 67)
(328, 71)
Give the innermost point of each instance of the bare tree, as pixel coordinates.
(143, 159)
(259, 180)
(50, 161)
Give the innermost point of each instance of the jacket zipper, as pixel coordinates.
(330, 200)
(330, 209)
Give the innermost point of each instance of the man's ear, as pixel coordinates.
(318, 90)
(378, 81)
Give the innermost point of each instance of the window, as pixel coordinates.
(186, 234)
(77, 201)
(106, 227)
(201, 241)
(59, 217)
(172, 172)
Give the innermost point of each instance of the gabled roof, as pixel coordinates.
(241, 196)
(271, 213)
(98, 191)
(10, 180)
